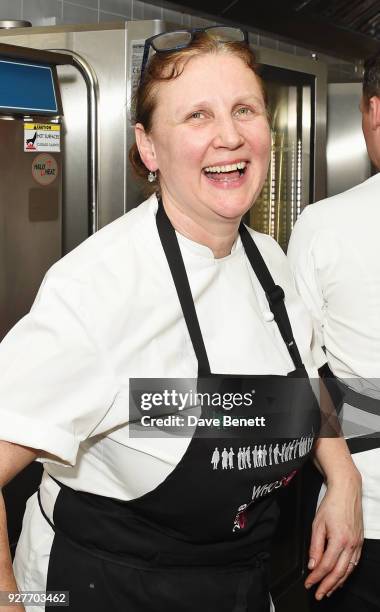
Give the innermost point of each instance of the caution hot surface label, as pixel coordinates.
(45, 137)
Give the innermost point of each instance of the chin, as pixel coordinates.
(231, 209)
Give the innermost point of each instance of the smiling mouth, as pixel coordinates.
(227, 172)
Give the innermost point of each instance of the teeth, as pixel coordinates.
(229, 168)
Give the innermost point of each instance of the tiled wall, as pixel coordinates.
(46, 12)
(51, 12)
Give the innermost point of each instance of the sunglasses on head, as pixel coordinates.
(180, 39)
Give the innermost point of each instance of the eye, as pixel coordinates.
(244, 111)
(196, 115)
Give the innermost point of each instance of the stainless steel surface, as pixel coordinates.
(29, 244)
(297, 168)
(105, 49)
(75, 128)
(347, 159)
(8, 24)
(92, 87)
(318, 71)
(307, 153)
(137, 31)
(75, 154)
(284, 193)
(105, 52)
(13, 51)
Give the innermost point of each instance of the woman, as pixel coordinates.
(176, 288)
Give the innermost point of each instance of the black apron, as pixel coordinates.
(200, 540)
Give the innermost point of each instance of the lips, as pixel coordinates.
(226, 172)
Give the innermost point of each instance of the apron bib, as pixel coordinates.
(200, 540)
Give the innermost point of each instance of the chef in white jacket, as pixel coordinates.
(140, 300)
(335, 255)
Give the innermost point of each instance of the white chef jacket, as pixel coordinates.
(334, 252)
(109, 311)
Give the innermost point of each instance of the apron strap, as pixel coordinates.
(170, 245)
(274, 294)
(340, 393)
(360, 444)
(364, 443)
(359, 400)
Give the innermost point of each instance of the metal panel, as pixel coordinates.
(297, 169)
(318, 128)
(105, 49)
(74, 125)
(347, 159)
(75, 177)
(137, 32)
(14, 52)
(30, 236)
(105, 53)
(307, 137)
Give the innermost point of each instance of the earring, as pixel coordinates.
(152, 176)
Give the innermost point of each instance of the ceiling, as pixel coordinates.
(346, 28)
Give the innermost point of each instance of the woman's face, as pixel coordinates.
(212, 116)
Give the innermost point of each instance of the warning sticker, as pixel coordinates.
(42, 137)
(44, 169)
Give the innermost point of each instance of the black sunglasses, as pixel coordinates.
(180, 39)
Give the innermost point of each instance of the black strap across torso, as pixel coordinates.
(340, 394)
(274, 293)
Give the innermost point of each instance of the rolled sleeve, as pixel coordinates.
(56, 385)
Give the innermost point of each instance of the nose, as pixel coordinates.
(227, 133)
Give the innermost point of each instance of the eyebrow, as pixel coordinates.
(244, 99)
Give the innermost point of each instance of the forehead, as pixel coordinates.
(214, 77)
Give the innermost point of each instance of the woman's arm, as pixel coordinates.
(337, 534)
(13, 459)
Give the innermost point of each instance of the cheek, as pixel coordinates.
(192, 146)
(261, 145)
(259, 131)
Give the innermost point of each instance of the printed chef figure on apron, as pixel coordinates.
(159, 547)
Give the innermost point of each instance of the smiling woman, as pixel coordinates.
(178, 288)
(200, 132)
(202, 127)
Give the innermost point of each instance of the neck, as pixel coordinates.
(218, 234)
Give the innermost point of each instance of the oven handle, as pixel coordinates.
(92, 87)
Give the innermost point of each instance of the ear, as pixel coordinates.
(146, 147)
(374, 112)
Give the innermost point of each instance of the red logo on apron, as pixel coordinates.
(241, 520)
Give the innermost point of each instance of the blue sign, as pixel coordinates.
(27, 88)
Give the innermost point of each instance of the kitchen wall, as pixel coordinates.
(55, 12)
